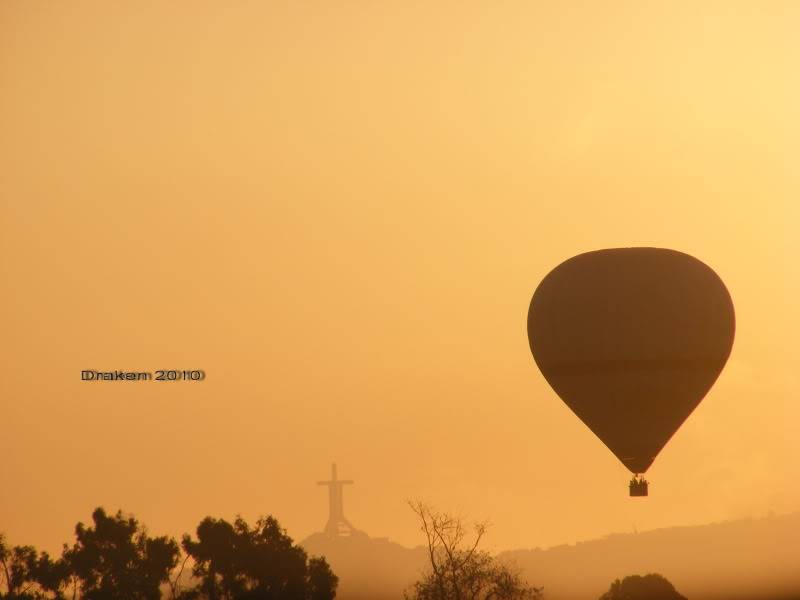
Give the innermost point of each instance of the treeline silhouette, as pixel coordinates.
(114, 558)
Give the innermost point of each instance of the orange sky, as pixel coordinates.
(340, 211)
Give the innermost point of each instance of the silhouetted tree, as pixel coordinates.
(17, 564)
(458, 570)
(30, 575)
(116, 560)
(322, 581)
(237, 562)
(636, 587)
(53, 576)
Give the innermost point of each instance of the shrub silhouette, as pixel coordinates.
(237, 562)
(637, 587)
(116, 559)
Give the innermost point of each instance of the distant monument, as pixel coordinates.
(337, 525)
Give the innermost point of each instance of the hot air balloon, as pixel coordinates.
(632, 339)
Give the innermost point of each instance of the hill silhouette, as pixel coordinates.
(735, 559)
(755, 559)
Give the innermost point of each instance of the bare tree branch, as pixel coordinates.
(459, 570)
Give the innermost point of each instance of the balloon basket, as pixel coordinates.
(638, 487)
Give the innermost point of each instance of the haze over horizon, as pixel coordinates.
(340, 212)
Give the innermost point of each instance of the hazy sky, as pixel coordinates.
(340, 210)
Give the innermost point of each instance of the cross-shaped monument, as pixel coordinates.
(337, 524)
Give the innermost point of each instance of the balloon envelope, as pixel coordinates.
(631, 339)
